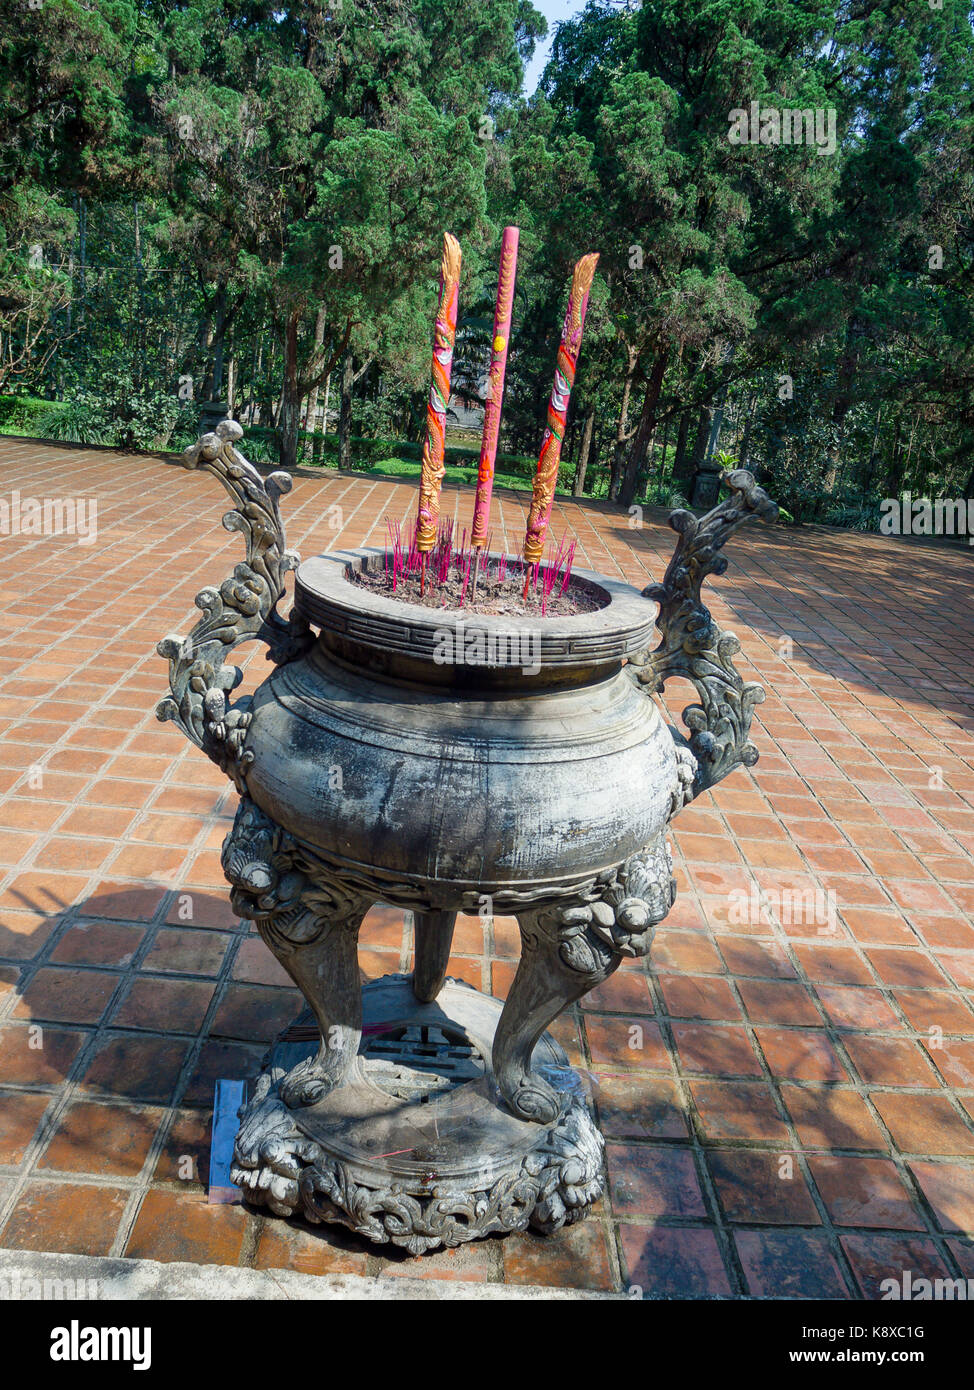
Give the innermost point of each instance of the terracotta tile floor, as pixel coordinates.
(788, 1096)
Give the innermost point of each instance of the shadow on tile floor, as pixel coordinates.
(718, 1185)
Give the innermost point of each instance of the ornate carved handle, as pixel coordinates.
(244, 608)
(693, 646)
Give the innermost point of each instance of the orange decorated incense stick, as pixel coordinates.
(444, 334)
(546, 476)
(495, 386)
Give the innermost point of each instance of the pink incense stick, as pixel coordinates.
(503, 308)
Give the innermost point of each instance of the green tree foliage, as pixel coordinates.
(242, 200)
(313, 156)
(64, 133)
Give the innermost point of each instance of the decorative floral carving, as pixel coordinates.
(256, 837)
(568, 1164)
(622, 908)
(693, 646)
(244, 607)
(267, 888)
(281, 886)
(686, 776)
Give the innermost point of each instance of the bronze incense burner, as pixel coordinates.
(379, 763)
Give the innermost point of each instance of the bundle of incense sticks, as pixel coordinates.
(427, 535)
(560, 568)
(433, 469)
(503, 308)
(403, 558)
(547, 472)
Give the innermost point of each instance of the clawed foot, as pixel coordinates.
(312, 1079)
(270, 1152)
(533, 1099)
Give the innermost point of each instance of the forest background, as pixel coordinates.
(231, 203)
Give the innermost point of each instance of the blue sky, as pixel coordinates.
(553, 11)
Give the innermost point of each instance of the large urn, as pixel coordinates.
(444, 762)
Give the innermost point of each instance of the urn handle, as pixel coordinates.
(693, 646)
(244, 608)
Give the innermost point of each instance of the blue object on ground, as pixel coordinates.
(228, 1097)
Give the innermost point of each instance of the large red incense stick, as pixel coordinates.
(433, 468)
(568, 349)
(495, 386)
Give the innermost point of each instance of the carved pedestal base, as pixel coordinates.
(416, 1147)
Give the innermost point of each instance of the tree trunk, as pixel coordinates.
(718, 421)
(896, 475)
(844, 399)
(646, 429)
(578, 488)
(661, 471)
(867, 471)
(745, 443)
(212, 345)
(219, 340)
(969, 486)
(893, 478)
(289, 412)
(82, 261)
(312, 410)
(288, 423)
(622, 427)
(705, 422)
(345, 412)
(257, 385)
(681, 473)
(140, 332)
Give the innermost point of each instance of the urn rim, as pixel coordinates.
(622, 627)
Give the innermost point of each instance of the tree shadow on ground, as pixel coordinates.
(885, 616)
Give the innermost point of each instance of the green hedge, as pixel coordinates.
(319, 448)
(21, 414)
(397, 456)
(407, 468)
(25, 415)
